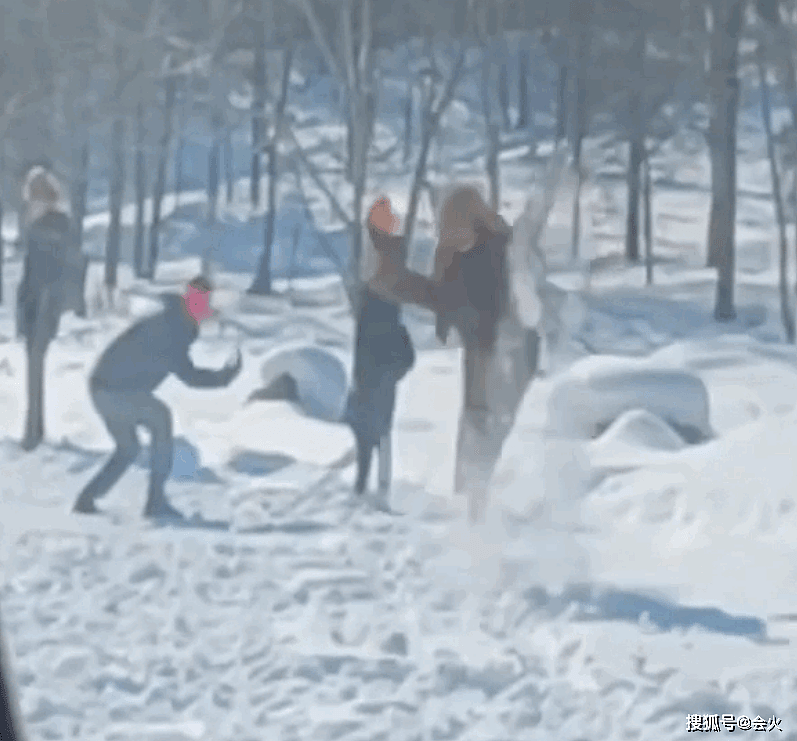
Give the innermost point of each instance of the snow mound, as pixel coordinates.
(639, 428)
(598, 390)
(314, 378)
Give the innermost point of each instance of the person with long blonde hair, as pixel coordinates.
(471, 259)
(42, 293)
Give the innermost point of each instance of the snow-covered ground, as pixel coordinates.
(625, 578)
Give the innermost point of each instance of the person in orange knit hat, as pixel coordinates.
(384, 352)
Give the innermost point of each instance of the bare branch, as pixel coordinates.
(318, 34)
(429, 131)
(367, 40)
(348, 50)
(340, 266)
(312, 170)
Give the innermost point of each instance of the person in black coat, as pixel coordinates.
(122, 386)
(44, 291)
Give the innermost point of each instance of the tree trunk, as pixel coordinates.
(80, 200)
(787, 60)
(561, 103)
(636, 152)
(178, 157)
(524, 112)
(2, 209)
(2, 249)
(214, 159)
(262, 284)
(491, 122)
(575, 228)
(647, 194)
(579, 132)
(503, 95)
(408, 123)
(431, 119)
(785, 307)
(258, 106)
(229, 165)
(160, 176)
(117, 187)
(493, 142)
(725, 103)
(632, 218)
(141, 192)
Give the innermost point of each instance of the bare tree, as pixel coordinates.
(140, 182)
(726, 28)
(490, 30)
(580, 22)
(637, 146)
(524, 112)
(435, 105)
(229, 165)
(115, 201)
(779, 40)
(262, 282)
(353, 68)
(258, 102)
(167, 116)
(786, 313)
(135, 50)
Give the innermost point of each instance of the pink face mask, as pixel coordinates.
(198, 304)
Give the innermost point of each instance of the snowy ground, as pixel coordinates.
(619, 584)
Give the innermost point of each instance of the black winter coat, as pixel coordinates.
(383, 356)
(40, 297)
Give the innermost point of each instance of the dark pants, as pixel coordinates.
(122, 412)
(365, 454)
(370, 415)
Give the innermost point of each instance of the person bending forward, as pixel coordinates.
(122, 385)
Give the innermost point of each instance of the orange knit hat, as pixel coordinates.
(381, 216)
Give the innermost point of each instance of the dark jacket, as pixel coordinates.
(40, 294)
(141, 357)
(384, 347)
(480, 278)
(383, 356)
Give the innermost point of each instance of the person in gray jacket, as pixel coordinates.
(122, 386)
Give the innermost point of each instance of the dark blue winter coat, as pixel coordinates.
(144, 355)
(383, 356)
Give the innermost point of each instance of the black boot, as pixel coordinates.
(365, 450)
(85, 506)
(158, 507)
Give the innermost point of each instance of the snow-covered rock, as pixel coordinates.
(320, 377)
(598, 390)
(640, 428)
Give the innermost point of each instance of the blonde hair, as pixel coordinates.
(42, 193)
(462, 207)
